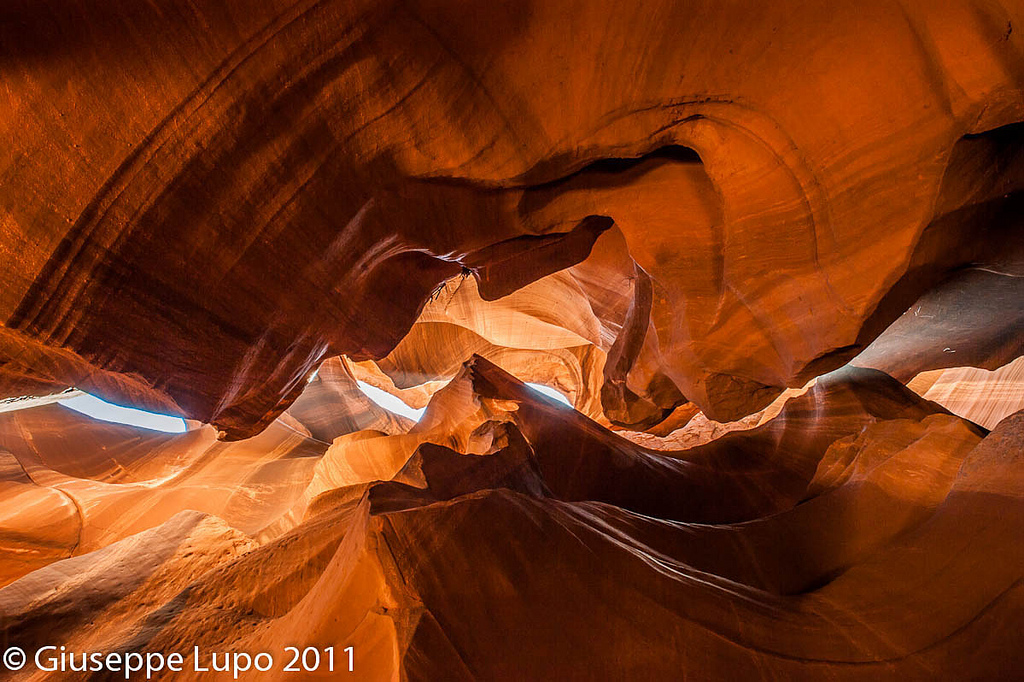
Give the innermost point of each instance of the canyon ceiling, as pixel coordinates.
(771, 253)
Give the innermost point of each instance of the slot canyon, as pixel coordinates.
(512, 340)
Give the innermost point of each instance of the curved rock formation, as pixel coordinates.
(797, 549)
(771, 253)
(984, 397)
(303, 165)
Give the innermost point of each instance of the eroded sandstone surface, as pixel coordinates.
(770, 253)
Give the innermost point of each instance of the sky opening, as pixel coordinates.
(550, 392)
(390, 402)
(396, 405)
(96, 408)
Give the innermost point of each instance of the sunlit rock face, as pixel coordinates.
(770, 254)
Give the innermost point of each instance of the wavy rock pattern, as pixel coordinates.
(285, 171)
(770, 252)
(796, 549)
(982, 396)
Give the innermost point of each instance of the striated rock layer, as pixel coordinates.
(803, 548)
(772, 254)
(204, 200)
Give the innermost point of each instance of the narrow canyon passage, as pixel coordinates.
(438, 340)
